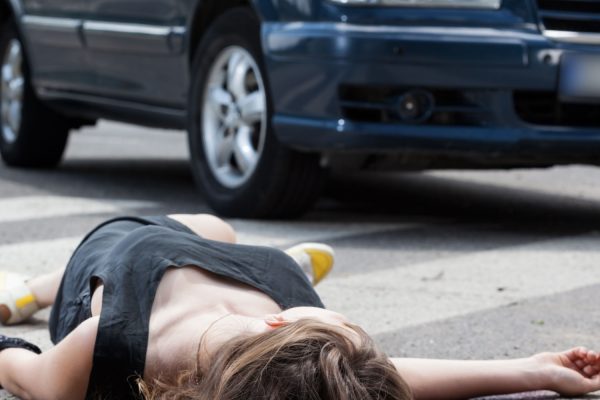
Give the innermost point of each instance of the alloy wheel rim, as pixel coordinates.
(234, 117)
(12, 88)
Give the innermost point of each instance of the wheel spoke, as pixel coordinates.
(252, 107)
(7, 73)
(220, 76)
(220, 100)
(16, 89)
(244, 153)
(14, 58)
(15, 116)
(237, 68)
(223, 148)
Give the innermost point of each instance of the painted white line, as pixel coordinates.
(34, 258)
(37, 207)
(269, 233)
(388, 300)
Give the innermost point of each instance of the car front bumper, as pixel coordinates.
(312, 65)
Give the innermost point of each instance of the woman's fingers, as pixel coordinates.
(575, 354)
(582, 352)
(586, 361)
(589, 371)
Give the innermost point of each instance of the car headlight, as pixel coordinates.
(480, 4)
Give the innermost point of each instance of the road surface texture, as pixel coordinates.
(441, 264)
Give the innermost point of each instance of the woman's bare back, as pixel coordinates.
(188, 302)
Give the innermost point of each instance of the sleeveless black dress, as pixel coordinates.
(130, 255)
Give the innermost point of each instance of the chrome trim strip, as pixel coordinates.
(103, 27)
(69, 24)
(179, 30)
(125, 28)
(134, 37)
(106, 35)
(53, 32)
(573, 37)
(472, 4)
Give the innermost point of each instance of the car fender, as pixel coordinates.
(203, 12)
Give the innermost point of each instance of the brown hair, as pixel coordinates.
(305, 360)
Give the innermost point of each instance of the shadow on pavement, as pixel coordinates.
(415, 196)
(399, 197)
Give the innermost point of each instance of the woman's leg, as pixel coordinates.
(315, 259)
(40, 292)
(208, 226)
(44, 287)
(21, 299)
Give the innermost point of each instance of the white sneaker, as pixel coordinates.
(315, 259)
(16, 297)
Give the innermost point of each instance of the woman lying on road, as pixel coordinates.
(171, 308)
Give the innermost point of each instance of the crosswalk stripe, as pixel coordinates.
(268, 233)
(388, 300)
(45, 255)
(34, 258)
(37, 207)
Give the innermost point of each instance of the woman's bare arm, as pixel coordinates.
(60, 373)
(573, 372)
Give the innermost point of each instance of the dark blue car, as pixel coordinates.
(275, 93)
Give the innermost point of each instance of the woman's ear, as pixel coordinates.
(275, 320)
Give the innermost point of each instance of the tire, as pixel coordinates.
(31, 135)
(242, 174)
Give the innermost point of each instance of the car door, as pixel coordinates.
(136, 49)
(52, 31)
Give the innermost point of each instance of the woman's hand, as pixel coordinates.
(573, 372)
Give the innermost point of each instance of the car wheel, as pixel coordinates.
(31, 135)
(236, 158)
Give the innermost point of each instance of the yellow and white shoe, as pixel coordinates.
(16, 300)
(315, 259)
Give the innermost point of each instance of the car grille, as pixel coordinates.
(570, 15)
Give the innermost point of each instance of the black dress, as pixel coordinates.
(130, 255)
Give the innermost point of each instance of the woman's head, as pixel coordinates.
(305, 358)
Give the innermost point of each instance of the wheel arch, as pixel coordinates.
(10, 9)
(207, 11)
(13, 10)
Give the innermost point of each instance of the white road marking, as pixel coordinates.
(37, 207)
(405, 296)
(269, 233)
(34, 258)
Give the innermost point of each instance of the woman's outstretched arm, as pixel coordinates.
(573, 372)
(60, 373)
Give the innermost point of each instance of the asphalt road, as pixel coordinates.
(440, 264)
